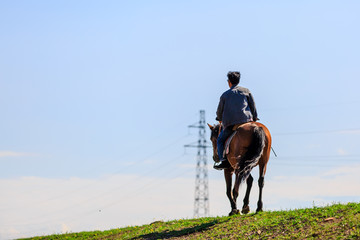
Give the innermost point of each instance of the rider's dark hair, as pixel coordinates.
(234, 77)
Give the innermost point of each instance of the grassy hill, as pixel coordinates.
(333, 222)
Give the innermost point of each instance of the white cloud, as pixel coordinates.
(187, 165)
(13, 154)
(341, 152)
(332, 185)
(38, 206)
(350, 171)
(350, 131)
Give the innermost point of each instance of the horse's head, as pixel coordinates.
(215, 131)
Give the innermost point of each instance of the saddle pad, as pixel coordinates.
(227, 144)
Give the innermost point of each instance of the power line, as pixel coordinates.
(281, 158)
(76, 191)
(135, 194)
(327, 157)
(306, 107)
(340, 131)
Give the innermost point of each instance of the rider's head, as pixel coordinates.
(234, 77)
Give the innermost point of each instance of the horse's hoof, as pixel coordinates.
(245, 210)
(234, 211)
(259, 210)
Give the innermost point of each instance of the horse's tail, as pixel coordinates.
(251, 158)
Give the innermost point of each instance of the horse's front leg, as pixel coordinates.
(228, 179)
(235, 193)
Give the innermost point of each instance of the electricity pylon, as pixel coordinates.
(201, 203)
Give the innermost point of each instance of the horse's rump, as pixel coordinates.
(243, 128)
(256, 138)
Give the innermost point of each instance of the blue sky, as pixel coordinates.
(96, 98)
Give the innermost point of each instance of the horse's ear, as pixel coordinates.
(211, 127)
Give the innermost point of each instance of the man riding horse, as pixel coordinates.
(249, 146)
(236, 107)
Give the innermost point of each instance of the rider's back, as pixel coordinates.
(236, 106)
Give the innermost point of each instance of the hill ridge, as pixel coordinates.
(337, 221)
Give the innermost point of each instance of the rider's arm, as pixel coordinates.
(252, 107)
(220, 109)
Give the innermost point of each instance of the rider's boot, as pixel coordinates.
(222, 164)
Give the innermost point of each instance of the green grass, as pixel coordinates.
(332, 222)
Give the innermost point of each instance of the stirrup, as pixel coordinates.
(224, 164)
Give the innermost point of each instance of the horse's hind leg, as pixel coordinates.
(261, 186)
(249, 182)
(260, 203)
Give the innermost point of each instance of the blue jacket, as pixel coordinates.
(236, 106)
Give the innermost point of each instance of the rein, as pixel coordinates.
(273, 151)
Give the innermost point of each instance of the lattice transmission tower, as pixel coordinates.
(201, 203)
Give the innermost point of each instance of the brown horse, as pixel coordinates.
(250, 147)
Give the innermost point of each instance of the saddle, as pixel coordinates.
(228, 141)
(227, 144)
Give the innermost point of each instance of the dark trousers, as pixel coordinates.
(224, 134)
